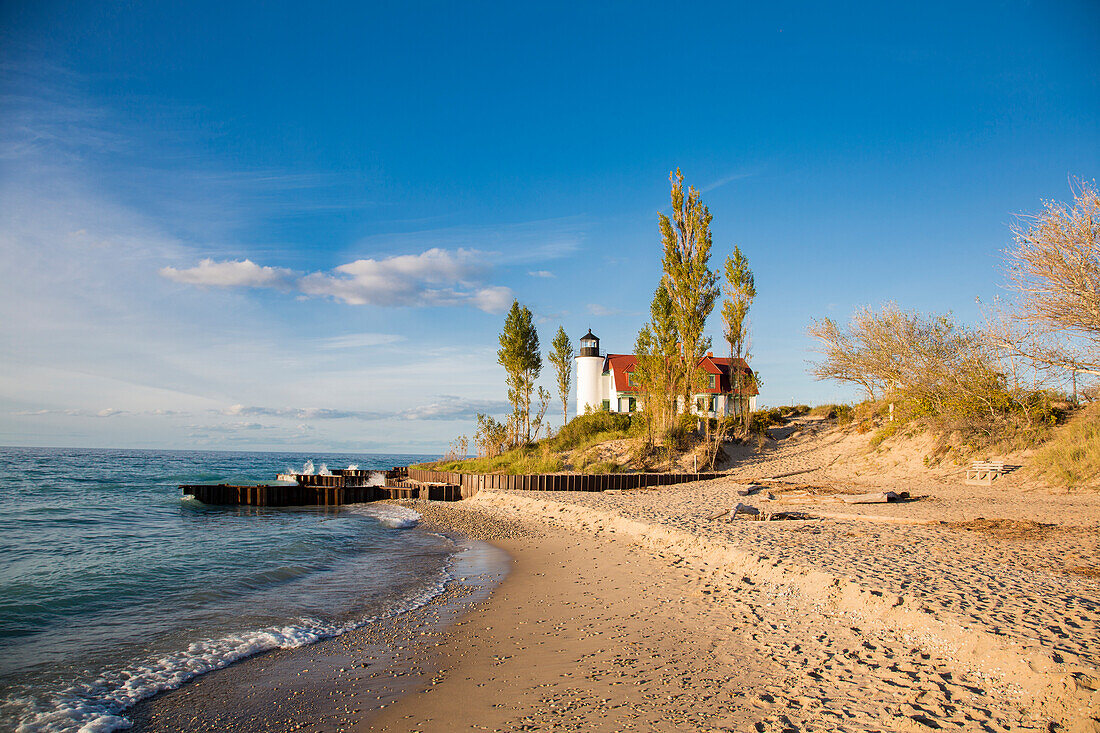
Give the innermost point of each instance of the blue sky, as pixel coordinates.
(281, 226)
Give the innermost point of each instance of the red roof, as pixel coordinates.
(622, 365)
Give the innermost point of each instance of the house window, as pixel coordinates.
(632, 405)
(630, 379)
(606, 406)
(713, 377)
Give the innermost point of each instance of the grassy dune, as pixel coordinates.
(1071, 458)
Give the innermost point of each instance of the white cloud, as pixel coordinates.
(301, 413)
(230, 274)
(496, 299)
(541, 273)
(408, 280)
(435, 277)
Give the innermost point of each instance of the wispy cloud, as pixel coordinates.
(735, 176)
(234, 427)
(74, 412)
(541, 273)
(302, 413)
(359, 340)
(450, 407)
(443, 407)
(520, 243)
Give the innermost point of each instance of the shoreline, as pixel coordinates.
(631, 612)
(327, 685)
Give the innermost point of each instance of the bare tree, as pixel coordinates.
(938, 366)
(1055, 268)
(539, 421)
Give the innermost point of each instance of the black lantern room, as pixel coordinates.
(590, 345)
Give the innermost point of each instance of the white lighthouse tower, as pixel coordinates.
(589, 374)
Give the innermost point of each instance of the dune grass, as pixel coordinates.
(545, 456)
(517, 461)
(1071, 458)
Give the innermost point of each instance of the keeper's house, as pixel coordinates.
(606, 382)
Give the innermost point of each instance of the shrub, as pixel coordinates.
(530, 459)
(585, 428)
(761, 420)
(682, 434)
(841, 413)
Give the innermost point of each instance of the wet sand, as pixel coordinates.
(330, 685)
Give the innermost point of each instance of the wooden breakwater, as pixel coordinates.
(274, 495)
(350, 486)
(471, 483)
(341, 486)
(270, 495)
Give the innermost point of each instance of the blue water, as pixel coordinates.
(113, 587)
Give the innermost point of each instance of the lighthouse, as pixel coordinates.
(589, 374)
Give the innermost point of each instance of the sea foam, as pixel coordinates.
(391, 515)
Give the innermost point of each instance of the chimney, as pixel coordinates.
(710, 354)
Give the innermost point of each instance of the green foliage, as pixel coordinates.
(657, 366)
(561, 357)
(591, 427)
(761, 420)
(740, 290)
(525, 460)
(492, 437)
(520, 356)
(843, 414)
(1072, 457)
(690, 283)
(885, 432)
(793, 410)
(682, 434)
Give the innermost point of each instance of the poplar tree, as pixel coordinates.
(657, 366)
(740, 290)
(691, 284)
(519, 355)
(562, 358)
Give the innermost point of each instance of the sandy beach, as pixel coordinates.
(615, 623)
(967, 608)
